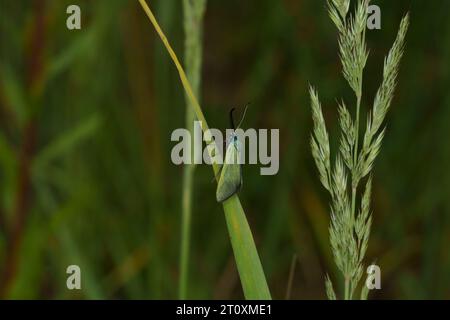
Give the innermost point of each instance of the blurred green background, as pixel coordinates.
(85, 170)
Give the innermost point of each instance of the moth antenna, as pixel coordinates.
(243, 115)
(231, 118)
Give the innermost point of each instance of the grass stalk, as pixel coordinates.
(347, 289)
(249, 266)
(186, 214)
(193, 22)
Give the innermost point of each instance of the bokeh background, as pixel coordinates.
(85, 170)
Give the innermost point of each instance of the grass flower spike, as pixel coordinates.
(350, 224)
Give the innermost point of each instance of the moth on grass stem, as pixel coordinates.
(230, 181)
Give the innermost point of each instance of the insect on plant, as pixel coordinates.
(230, 181)
(251, 273)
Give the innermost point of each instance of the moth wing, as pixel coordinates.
(230, 181)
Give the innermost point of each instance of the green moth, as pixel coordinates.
(230, 181)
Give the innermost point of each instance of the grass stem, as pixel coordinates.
(193, 21)
(347, 288)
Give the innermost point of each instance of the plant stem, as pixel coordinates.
(185, 230)
(347, 288)
(193, 19)
(247, 260)
(355, 154)
(358, 107)
(186, 84)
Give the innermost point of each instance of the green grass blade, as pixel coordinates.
(247, 260)
(67, 141)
